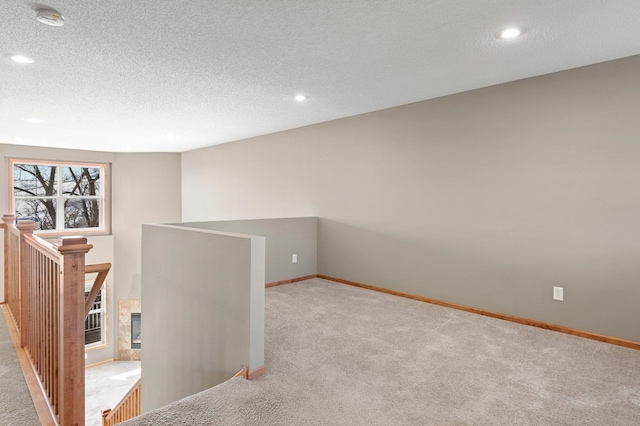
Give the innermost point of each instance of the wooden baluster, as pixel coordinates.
(26, 227)
(11, 256)
(7, 220)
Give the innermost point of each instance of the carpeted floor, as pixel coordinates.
(15, 399)
(340, 355)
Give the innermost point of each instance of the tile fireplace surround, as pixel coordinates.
(125, 308)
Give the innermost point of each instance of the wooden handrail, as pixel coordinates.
(244, 373)
(127, 408)
(45, 247)
(102, 269)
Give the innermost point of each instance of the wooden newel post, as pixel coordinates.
(7, 219)
(26, 227)
(71, 341)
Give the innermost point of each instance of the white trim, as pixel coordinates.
(104, 209)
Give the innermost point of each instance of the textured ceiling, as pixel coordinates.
(152, 75)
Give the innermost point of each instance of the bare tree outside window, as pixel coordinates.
(34, 189)
(77, 183)
(57, 196)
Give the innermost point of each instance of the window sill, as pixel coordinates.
(51, 235)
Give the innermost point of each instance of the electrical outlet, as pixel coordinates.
(558, 293)
(294, 258)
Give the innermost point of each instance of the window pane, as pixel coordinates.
(34, 180)
(42, 211)
(81, 213)
(81, 181)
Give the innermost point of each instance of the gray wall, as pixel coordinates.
(487, 198)
(202, 309)
(144, 188)
(284, 237)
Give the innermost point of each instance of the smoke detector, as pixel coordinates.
(50, 17)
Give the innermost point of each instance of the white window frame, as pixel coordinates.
(103, 227)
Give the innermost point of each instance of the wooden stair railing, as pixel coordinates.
(102, 269)
(127, 408)
(44, 291)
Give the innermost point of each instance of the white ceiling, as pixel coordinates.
(160, 75)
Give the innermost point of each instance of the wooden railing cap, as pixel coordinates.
(71, 240)
(27, 226)
(72, 244)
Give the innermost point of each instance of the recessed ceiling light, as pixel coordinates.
(128, 148)
(170, 136)
(511, 32)
(35, 120)
(21, 59)
(301, 98)
(50, 17)
(17, 139)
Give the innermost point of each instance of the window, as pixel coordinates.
(95, 323)
(60, 197)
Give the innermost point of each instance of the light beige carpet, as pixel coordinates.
(340, 355)
(16, 406)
